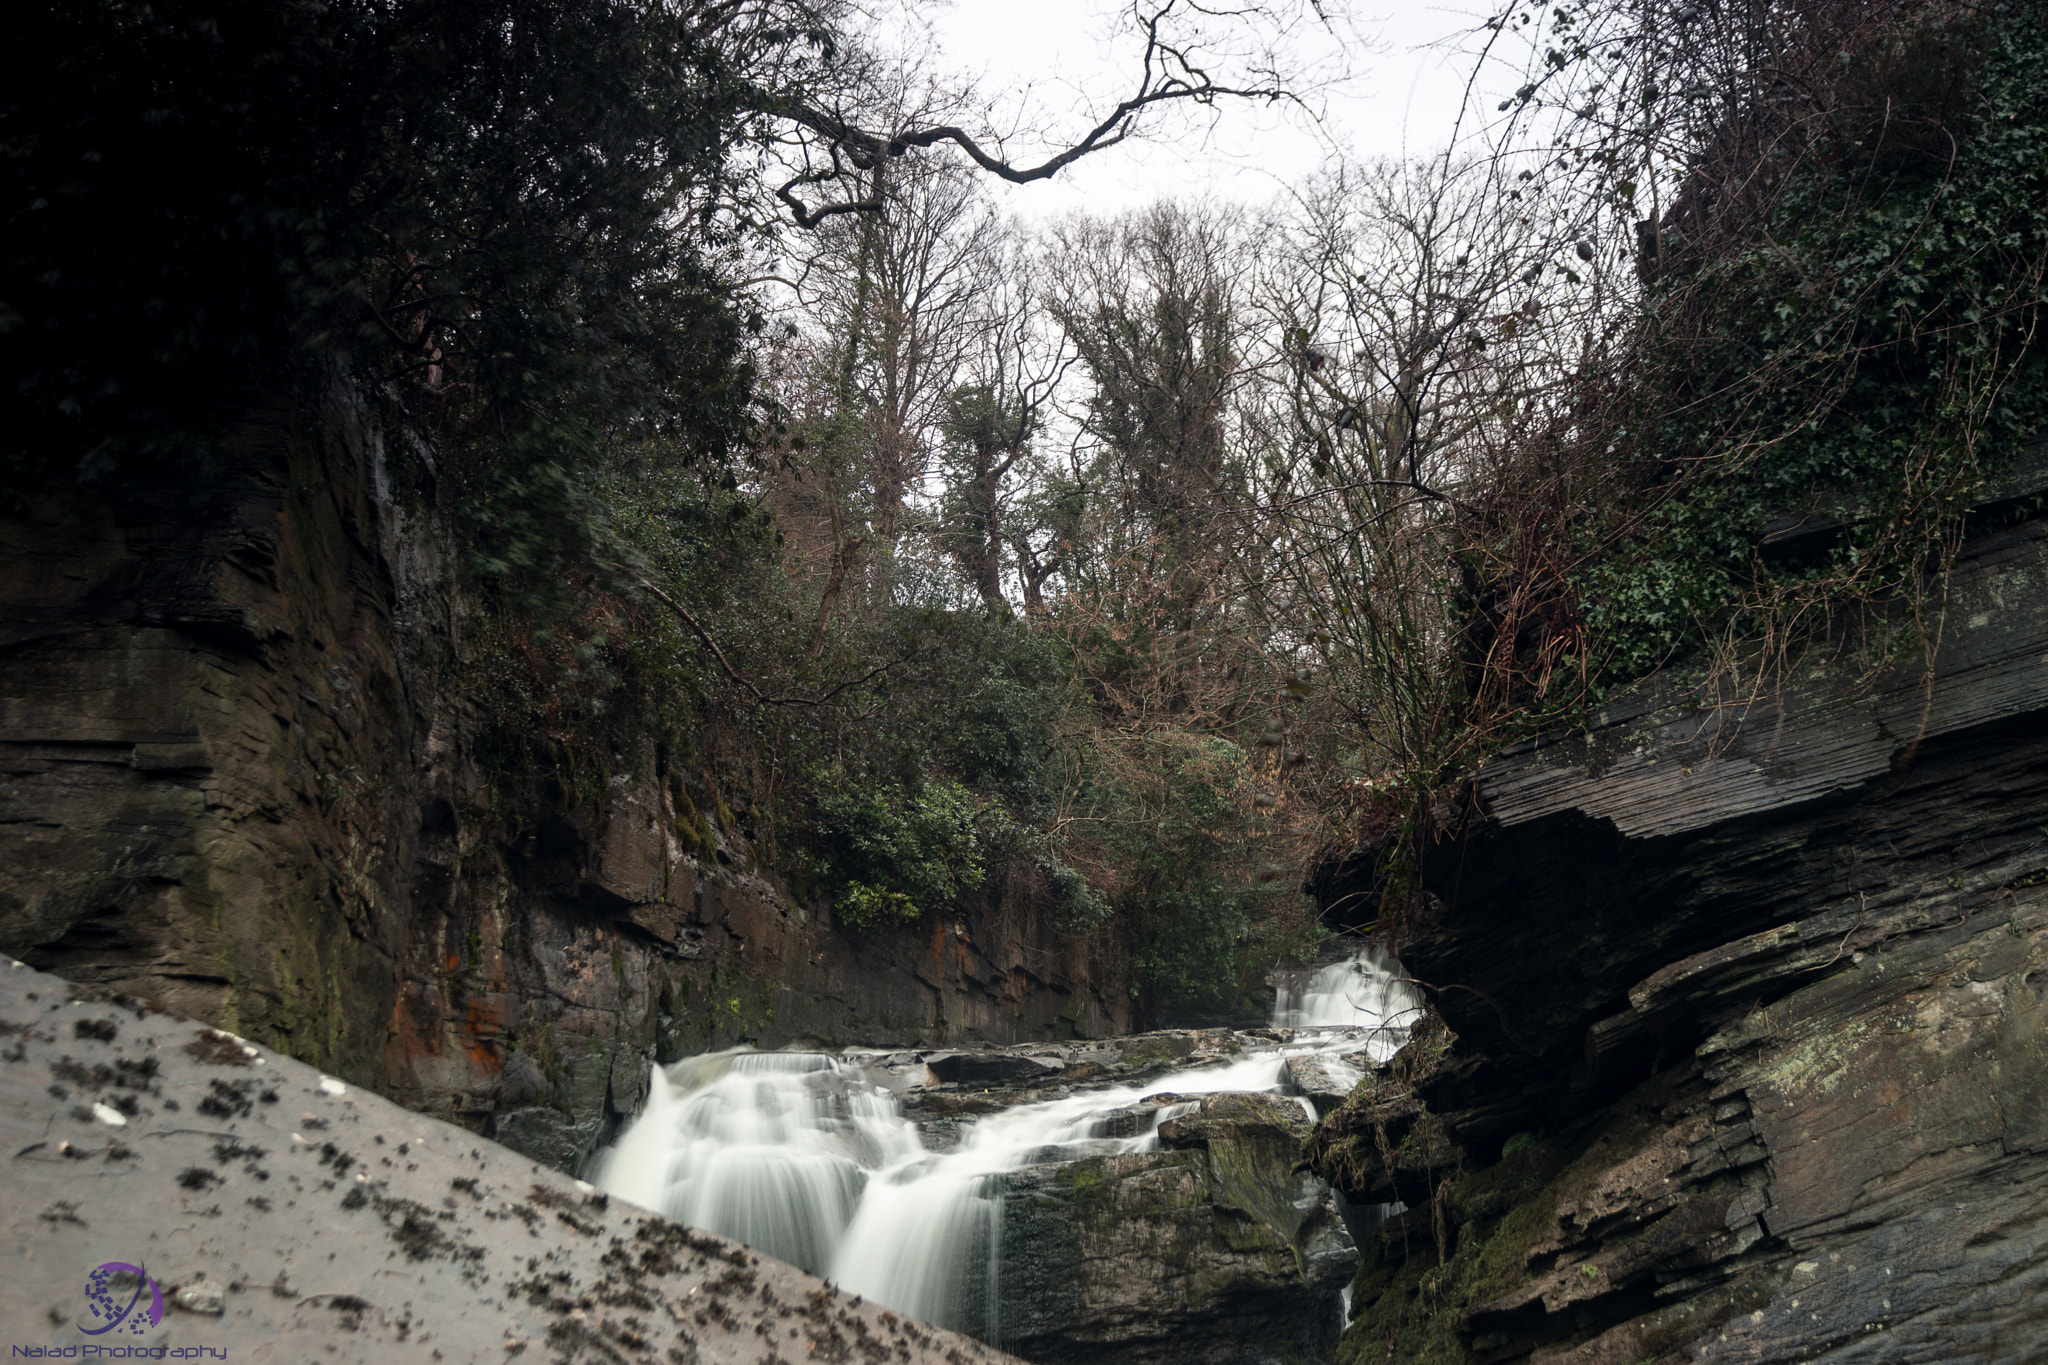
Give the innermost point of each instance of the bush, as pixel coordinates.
(892, 854)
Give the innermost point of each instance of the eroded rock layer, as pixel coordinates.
(1743, 1039)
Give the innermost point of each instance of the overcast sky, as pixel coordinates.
(1397, 96)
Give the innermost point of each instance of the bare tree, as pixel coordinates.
(1153, 306)
(838, 140)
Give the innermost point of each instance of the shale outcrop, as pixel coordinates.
(245, 1206)
(1741, 1035)
(238, 776)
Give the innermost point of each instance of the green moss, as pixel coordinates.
(1083, 1176)
(691, 827)
(1502, 1264)
(1407, 1296)
(1156, 1048)
(727, 821)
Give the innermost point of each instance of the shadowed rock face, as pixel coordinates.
(1747, 1044)
(1212, 1250)
(287, 1216)
(236, 777)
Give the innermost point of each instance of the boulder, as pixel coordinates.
(1212, 1250)
(1325, 1082)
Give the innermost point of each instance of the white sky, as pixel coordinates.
(1398, 96)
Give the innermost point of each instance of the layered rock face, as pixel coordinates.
(237, 778)
(1742, 1049)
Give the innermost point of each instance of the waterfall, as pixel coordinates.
(808, 1158)
(769, 1148)
(1365, 990)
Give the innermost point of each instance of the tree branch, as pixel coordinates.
(697, 628)
(1168, 75)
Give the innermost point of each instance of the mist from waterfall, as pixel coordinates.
(808, 1158)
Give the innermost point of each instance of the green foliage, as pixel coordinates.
(561, 693)
(212, 201)
(1178, 848)
(1866, 358)
(895, 854)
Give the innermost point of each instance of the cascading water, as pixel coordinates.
(769, 1148)
(808, 1157)
(1365, 990)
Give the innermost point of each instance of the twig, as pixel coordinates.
(697, 628)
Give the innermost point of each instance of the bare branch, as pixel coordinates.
(1168, 74)
(696, 628)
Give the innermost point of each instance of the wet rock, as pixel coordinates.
(1325, 1082)
(1273, 1122)
(989, 1068)
(545, 1134)
(1204, 1254)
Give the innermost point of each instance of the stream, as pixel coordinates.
(810, 1157)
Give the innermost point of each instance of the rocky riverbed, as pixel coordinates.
(1130, 1199)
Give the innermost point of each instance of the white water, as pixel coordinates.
(1365, 990)
(809, 1159)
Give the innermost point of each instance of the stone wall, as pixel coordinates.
(235, 778)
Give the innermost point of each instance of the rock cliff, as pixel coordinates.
(1741, 1048)
(236, 779)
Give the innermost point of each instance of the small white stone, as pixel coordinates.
(108, 1114)
(202, 1296)
(332, 1086)
(586, 1188)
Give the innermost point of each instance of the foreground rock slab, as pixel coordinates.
(285, 1216)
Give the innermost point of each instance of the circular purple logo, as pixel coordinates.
(105, 1288)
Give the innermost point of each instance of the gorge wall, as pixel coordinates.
(1741, 1049)
(238, 777)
